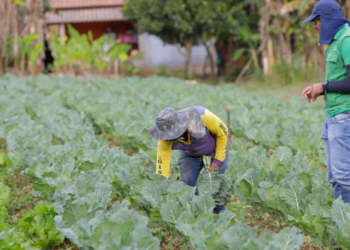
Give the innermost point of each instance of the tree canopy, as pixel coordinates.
(184, 22)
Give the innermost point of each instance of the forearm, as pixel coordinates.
(342, 86)
(219, 129)
(221, 148)
(163, 158)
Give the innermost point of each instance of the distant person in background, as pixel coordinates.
(220, 61)
(48, 60)
(196, 132)
(335, 31)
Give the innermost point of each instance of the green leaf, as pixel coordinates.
(3, 159)
(343, 237)
(162, 183)
(186, 218)
(106, 227)
(152, 194)
(4, 194)
(239, 233)
(283, 154)
(176, 187)
(294, 194)
(171, 211)
(239, 144)
(108, 241)
(273, 200)
(204, 204)
(340, 212)
(238, 54)
(73, 213)
(271, 163)
(209, 183)
(44, 189)
(245, 188)
(225, 217)
(148, 242)
(3, 214)
(288, 238)
(19, 2)
(303, 144)
(319, 203)
(306, 179)
(35, 52)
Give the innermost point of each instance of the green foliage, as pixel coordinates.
(340, 213)
(87, 53)
(26, 50)
(285, 74)
(164, 71)
(78, 172)
(34, 54)
(178, 18)
(38, 226)
(179, 21)
(4, 194)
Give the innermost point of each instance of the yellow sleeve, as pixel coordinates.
(164, 158)
(218, 128)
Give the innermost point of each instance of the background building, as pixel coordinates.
(104, 17)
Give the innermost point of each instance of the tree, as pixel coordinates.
(18, 20)
(8, 30)
(180, 22)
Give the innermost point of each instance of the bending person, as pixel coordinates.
(196, 132)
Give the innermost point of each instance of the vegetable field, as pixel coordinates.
(77, 171)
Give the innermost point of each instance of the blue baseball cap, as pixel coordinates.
(328, 8)
(332, 19)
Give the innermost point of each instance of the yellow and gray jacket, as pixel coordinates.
(206, 134)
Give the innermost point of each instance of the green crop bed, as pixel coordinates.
(58, 133)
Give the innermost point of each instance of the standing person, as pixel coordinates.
(196, 132)
(334, 30)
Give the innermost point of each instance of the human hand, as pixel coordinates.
(213, 166)
(316, 91)
(307, 93)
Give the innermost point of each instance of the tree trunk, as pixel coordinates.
(211, 60)
(1, 67)
(6, 63)
(23, 60)
(205, 66)
(264, 34)
(35, 25)
(230, 55)
(270, 54)
(188, 44)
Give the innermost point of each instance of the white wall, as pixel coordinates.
(158, 53)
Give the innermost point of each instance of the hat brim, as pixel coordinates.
(175, 132)
(310, 18)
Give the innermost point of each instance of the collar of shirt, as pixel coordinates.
(340, 32)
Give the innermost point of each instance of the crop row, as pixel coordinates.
(126, 109)
(30, 122)
(76, 171)
(285, 183)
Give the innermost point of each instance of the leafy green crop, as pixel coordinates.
(38, 226)
(48, 125)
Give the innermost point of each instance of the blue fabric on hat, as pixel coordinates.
(332, 19)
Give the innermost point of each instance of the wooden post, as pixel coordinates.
(228, 124)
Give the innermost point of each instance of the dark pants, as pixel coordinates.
(190, 168)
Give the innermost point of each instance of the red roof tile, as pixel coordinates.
(85, 15)
(76, 4)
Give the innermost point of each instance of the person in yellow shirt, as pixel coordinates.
(196, 132)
